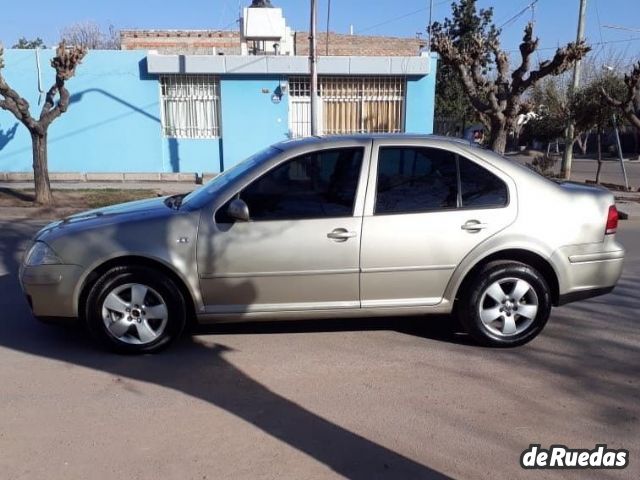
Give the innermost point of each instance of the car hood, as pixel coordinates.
(138, 210)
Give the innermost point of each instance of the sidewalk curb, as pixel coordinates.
(36, 213)
(116, 177)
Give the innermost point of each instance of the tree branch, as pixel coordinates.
(501, 60)
(65, 63)
(11, 101)
(468, 69)
(609, 99)
(632, 99)
(18, 106)
(564, 59)
(527, 48)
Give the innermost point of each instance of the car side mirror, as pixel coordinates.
(238, 210)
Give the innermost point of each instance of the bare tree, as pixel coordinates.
(630, 105)
(64, 63)
(589, 112)
(90, 36)
(495, 91)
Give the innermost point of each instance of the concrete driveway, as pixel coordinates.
(390, 398)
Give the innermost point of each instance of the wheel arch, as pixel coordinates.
(533, 259)
(134, 260)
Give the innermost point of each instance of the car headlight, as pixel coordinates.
(41, 254)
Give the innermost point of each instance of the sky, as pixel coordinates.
(555, 20)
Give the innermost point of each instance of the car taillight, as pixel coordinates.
(612, 220)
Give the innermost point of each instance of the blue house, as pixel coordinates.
(145, 111)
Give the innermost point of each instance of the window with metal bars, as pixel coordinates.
(349, 105)
(190, 106)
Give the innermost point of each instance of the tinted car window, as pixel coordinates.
(415, 180)
(479, 187)
(315, 185)
(198, 198)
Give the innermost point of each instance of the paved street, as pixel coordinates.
(582, 170)
(391, 398)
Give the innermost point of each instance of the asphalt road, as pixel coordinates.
(390, 398)
(582, 170)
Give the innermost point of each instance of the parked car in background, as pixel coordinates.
(326, 227)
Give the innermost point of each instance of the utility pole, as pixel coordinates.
(429, 27)
(313, 60)
(326, 40)
(568, 140)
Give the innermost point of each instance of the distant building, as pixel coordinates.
(193, 42)
(341, 44)
(202, 100)
(228, 42)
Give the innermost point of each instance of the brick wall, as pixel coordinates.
(228, 42)
(345, 45)
(182, 41)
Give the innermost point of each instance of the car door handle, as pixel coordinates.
(474, 226)
(341, 235)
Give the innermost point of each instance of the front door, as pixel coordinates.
(427, 209)
(301, 248)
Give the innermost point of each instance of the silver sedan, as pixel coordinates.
(333, 227)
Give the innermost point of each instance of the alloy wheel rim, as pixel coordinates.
(134, 313)
(508, 306)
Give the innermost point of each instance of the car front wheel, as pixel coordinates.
(506, 304)
(135, 309)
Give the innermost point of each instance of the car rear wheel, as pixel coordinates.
(506, 304)
(135, 310)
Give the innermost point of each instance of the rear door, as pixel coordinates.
(427, 207)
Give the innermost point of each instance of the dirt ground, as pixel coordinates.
(76, 199)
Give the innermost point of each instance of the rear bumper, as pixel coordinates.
(583, 295)
(588, 273)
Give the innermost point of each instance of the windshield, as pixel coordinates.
(200, 197)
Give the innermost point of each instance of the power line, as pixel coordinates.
(420, 10)
(519, 14)
(633, 39)
(619, 27)
(400, 17)
(599, 22)
(595, 4)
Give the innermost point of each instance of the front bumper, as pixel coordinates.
(51, 289)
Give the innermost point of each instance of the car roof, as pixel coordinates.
(324, 139)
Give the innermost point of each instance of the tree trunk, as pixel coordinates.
(40, 169)
(498, 138)
(599, 156)
(583, 142)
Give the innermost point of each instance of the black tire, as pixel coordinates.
(158, 283)
(489, 334)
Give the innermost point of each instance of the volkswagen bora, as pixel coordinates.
(334, 227)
